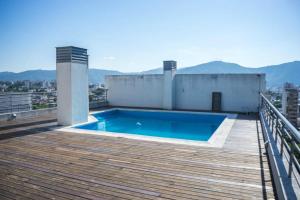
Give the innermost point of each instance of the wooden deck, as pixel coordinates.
(39, 163)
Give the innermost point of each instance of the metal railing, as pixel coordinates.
(26, 101)
(282, 146)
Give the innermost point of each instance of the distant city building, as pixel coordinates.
(27, 84)
(290, 103)
(46, 84)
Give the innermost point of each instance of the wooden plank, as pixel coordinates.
(52, 164)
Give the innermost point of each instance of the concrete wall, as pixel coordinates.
(72, 93)
(80, 88)
(240, 92)
(135, 90)
(64, 96)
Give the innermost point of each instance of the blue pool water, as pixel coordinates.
(177, 125)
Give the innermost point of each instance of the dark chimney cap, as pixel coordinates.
(170, 65)
(71, 54)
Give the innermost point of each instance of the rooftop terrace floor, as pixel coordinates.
(37, 162)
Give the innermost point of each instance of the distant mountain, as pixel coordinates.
(215, 67)
(279, 74)
(98, 75)
(206, 68)
(95, 75)
(31, 75)
(153, 71)
(276, 74)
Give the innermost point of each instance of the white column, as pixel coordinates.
(169, 84)
(72, 85)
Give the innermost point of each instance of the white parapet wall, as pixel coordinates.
(135, 90)
(240, 92)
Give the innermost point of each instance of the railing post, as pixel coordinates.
(292, 157)
(11, 106)
(272, 127)
(261, 102)
(269, 115)
(282, 140)
(276, 129)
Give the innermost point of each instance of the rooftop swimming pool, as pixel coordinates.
(189, 126)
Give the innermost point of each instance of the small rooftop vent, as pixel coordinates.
(170, 65)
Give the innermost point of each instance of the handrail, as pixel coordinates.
(282, 140)
(11, 102)
(288, 125)
(24, 93)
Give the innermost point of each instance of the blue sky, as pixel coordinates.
(136, 35)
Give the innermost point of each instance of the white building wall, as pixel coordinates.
(240, 92)
(72, 93)
(80, 93)
(135, 90)
(64, 94)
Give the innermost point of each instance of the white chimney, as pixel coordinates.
(72, 85)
